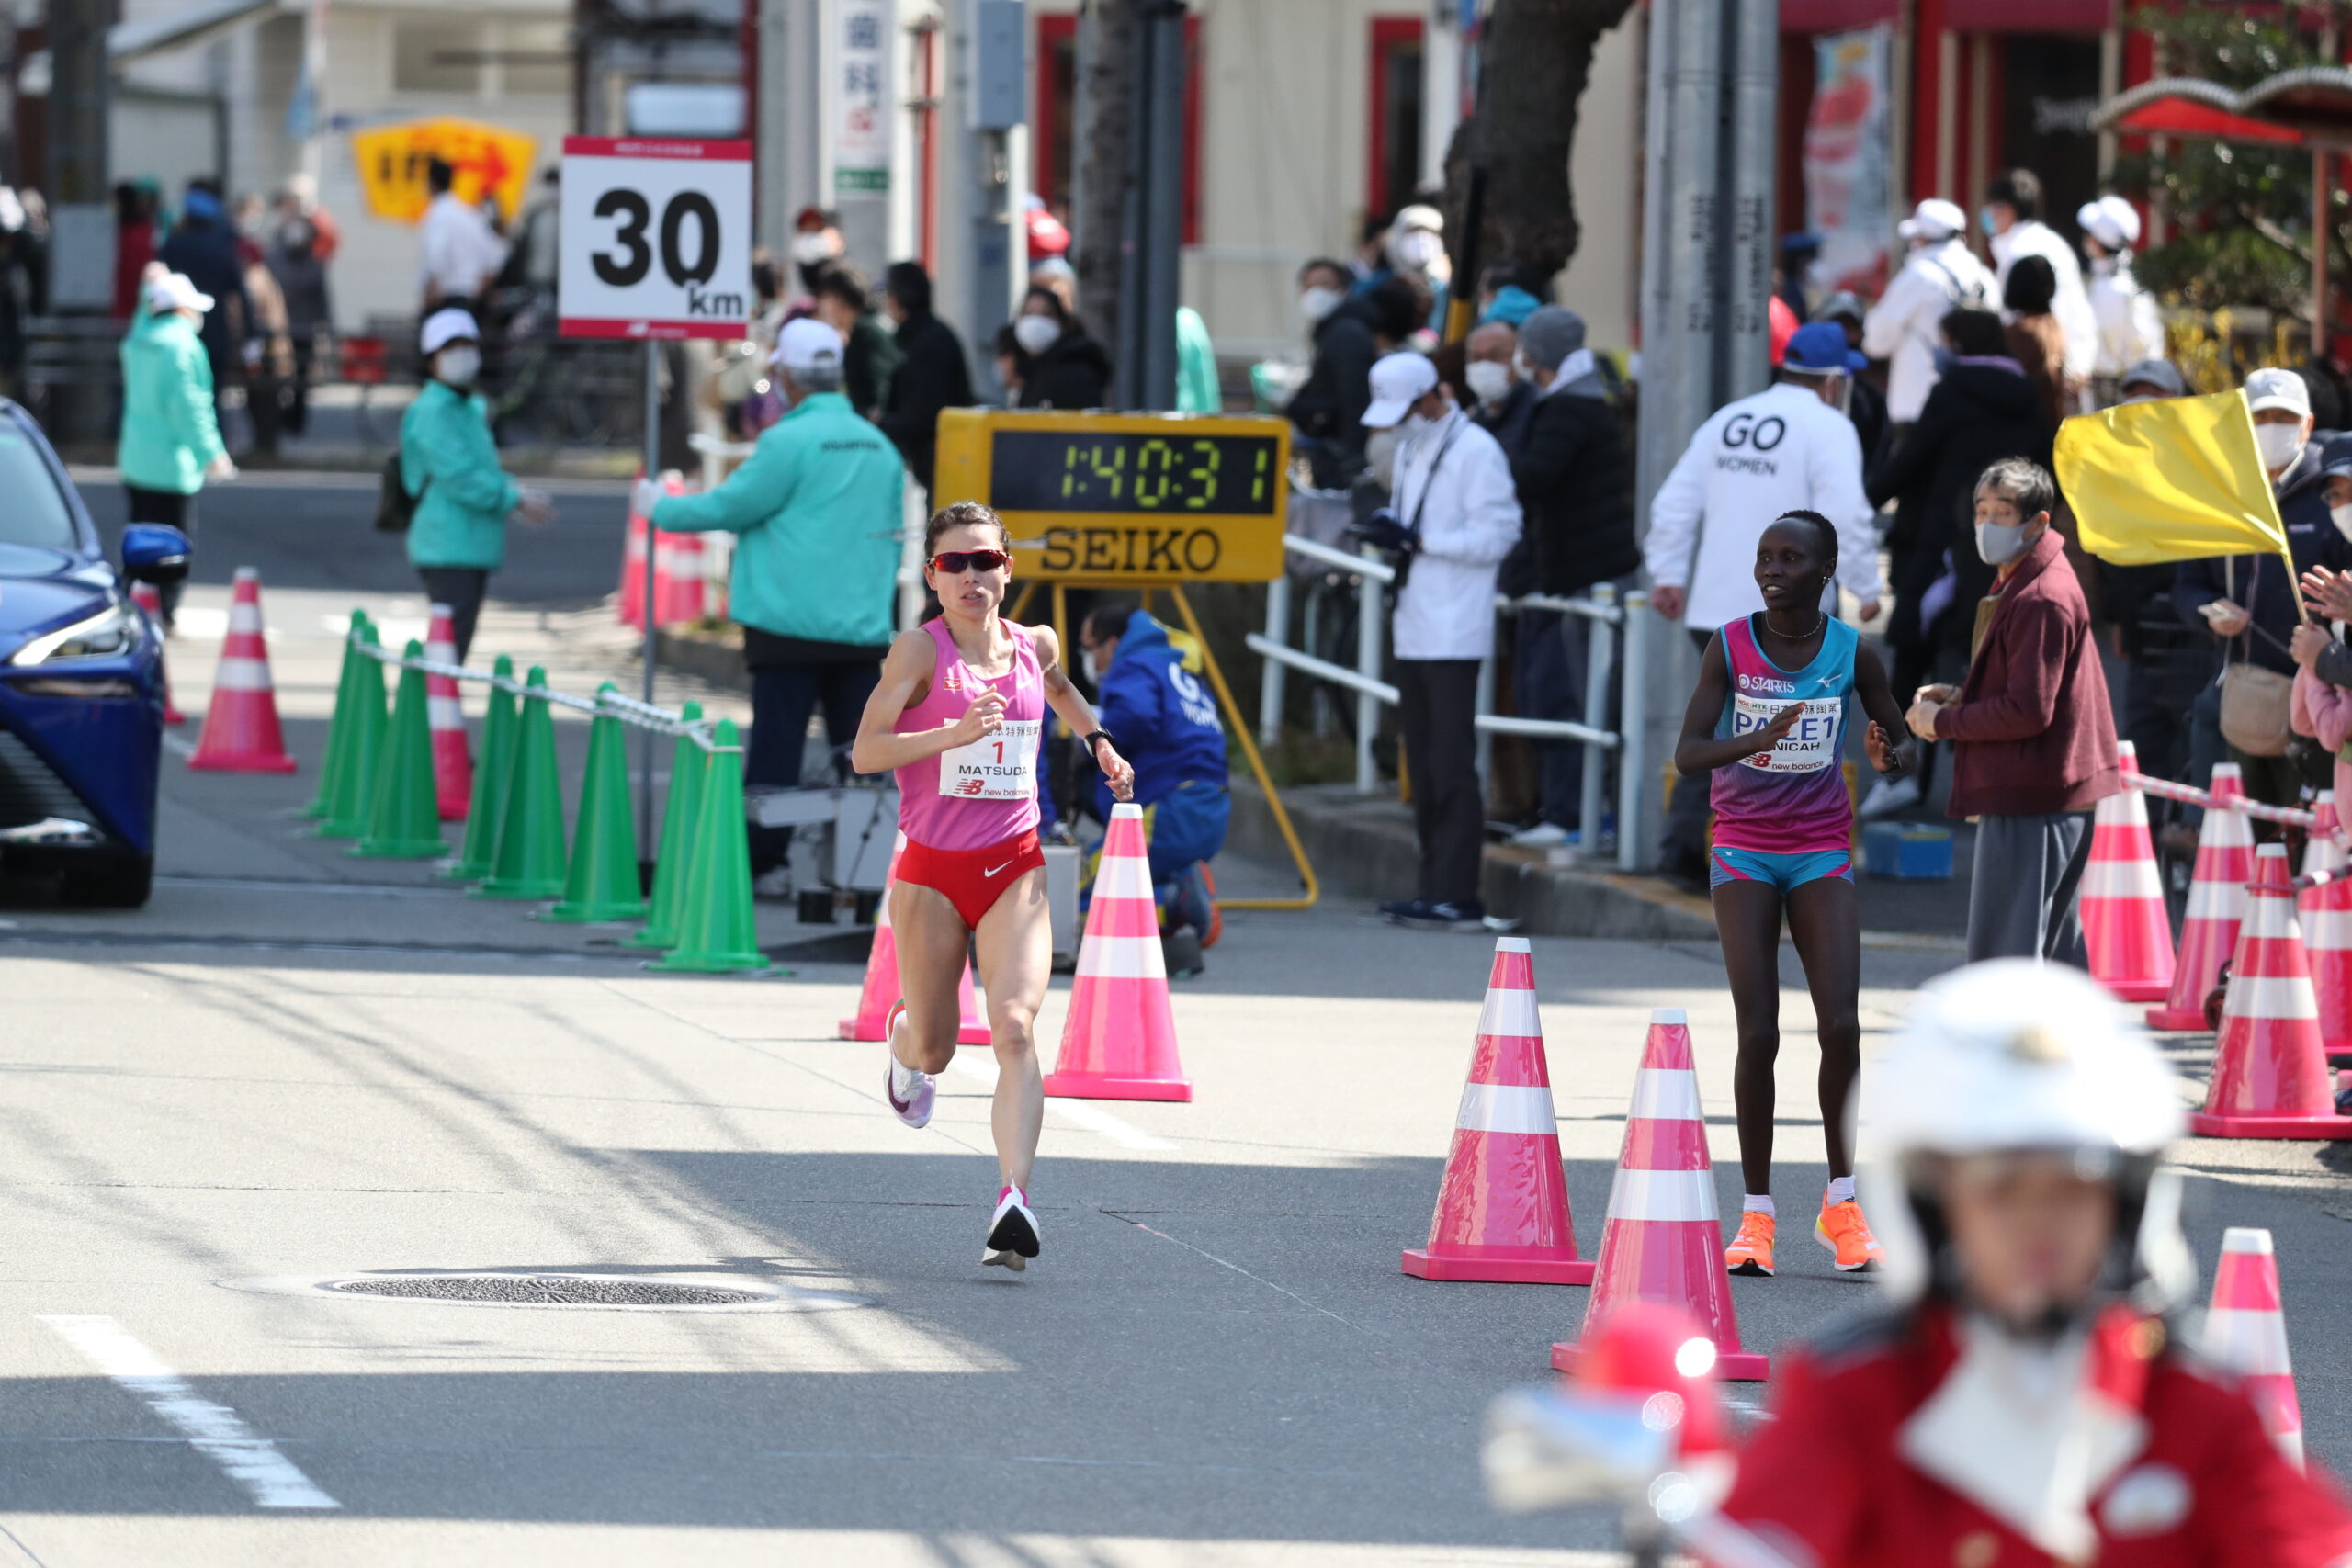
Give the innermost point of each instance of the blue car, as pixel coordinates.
(80, 685)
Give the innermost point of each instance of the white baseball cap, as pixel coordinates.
(806, 343)
(1420, 216)
(445, 327)
(2271, 387)
(1398, 381)
(1934, 219)
(2112, 221)
(172, 291)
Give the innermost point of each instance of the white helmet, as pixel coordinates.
(2021, 1054)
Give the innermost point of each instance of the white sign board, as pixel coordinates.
(656, 238)
(862, 141)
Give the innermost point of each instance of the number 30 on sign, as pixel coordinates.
(656, 238)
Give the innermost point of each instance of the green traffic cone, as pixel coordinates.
(479, 856)
(602, 884)
(339, 726)
(715, 929)
(355, 786)
(406, 821)
(674, 865)
(530, 824)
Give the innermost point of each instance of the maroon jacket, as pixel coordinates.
(2034, 731)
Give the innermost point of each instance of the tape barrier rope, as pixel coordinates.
(629, 710)
(2190, 795)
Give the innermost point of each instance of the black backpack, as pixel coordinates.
(395, 508)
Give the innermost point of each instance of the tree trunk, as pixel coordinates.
(1110, 37)
(1534, 61)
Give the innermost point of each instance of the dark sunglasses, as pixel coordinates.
(953, 562)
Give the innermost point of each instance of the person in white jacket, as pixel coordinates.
(1453, 516)
(2130, 331)
(1786, 449)
(1940, 276)
(2012, 220)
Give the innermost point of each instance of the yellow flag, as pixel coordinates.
(2175, 479)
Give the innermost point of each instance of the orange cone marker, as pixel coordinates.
(2326, 914)
(453, 762)
(1119, 1039)
(2270, 1077)
(880, 992)
(2246, 1331)
(1502, 1210)
(2209, 932)
(1663, 1240)
(150, 599)
(2125, 928)
(241, 729)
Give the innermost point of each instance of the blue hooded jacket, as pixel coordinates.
(1163, 718)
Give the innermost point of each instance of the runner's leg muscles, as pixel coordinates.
(1748, 918)
(1016, 952)
(931, 938)
(1825, 922)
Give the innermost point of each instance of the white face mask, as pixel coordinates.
(1087, 667)
(1489, 379)
(2278, 444)
(2000, 543)
(1036, 333)
(1318, 302)
(2342, 517)
(458, 366)
(811, 248)
(1416, 251)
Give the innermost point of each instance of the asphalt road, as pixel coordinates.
(296, 1066)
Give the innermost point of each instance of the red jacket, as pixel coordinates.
(2034, 731)
(1826, 1476)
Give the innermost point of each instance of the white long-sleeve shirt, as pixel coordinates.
(1903, 328)
(2130, 330)
(1782, 450)
(458, 252)
(2072, 306)
(1453, 477)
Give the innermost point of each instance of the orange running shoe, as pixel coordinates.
(1843, 1231)
(1751, 1251)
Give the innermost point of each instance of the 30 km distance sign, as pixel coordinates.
(656, 238)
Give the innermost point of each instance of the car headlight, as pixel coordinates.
(111, 633)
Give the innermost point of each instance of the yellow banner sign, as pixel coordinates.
(488, 161)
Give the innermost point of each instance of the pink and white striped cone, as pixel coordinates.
(241, 730)
(677, 577)
(1119, 1039)
(2125, 928)
(2246, 1330)
(1663, 1240)
(2326, 914)
(2209, 932)
(150, 599)
(2270, 1077)
(632, 606)
(453, 762)
(1502, 1209)
(632, 596)
(881, 990)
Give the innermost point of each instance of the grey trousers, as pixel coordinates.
(2021, 900)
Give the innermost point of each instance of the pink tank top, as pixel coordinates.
(972, 797)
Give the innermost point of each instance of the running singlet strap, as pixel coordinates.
(1792, 799)
(971, 796)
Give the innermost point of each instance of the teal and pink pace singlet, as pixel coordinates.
(1789, 801)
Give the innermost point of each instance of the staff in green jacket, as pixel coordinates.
(816, 509)
(456, 537)
(170, 442)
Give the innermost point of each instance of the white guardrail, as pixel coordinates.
(1604, 610)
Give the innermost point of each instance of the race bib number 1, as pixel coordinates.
(1808, 748)
(1002, 767)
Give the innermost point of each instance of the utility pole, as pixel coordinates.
(1103, 123)
(80, 265)
(1151, 275)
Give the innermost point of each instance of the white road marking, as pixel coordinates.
(180, 745)
(213, 1430)
(1079, 1113)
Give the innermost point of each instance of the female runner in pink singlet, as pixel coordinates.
(957, 714)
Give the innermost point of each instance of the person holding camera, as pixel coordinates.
(1453, 516)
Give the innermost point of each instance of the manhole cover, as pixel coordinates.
(526, 1288)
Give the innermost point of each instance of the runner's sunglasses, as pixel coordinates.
(951, 563)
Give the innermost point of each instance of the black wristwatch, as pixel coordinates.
(1097, 735)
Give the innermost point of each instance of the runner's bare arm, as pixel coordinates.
(1883, 739)
(905, 675)
(1699, 751)
(1077, 712)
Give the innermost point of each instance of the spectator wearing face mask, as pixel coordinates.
(2246, 603)
(1939, 274)
(170, 442)
(845, 303)
(456, 537)
(1865, 404)
(2322, 701)
(2130, 331)
(931, 372)
(1328, 409)
(816, 244)
(2011, 217)
(1417, 257)
(1502, 403)
(1061, 366)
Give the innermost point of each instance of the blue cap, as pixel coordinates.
(2335, 458)
(1512, 304)
(1820, 347)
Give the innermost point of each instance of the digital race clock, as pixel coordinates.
(1125, 498)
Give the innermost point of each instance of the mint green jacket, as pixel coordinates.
(168, 430)
(818, 506)
(450, 465)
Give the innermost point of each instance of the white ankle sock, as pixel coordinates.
(1756, 1203)
(1841, 1189)
(904, 1079)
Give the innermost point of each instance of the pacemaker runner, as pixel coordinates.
(959, 714)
